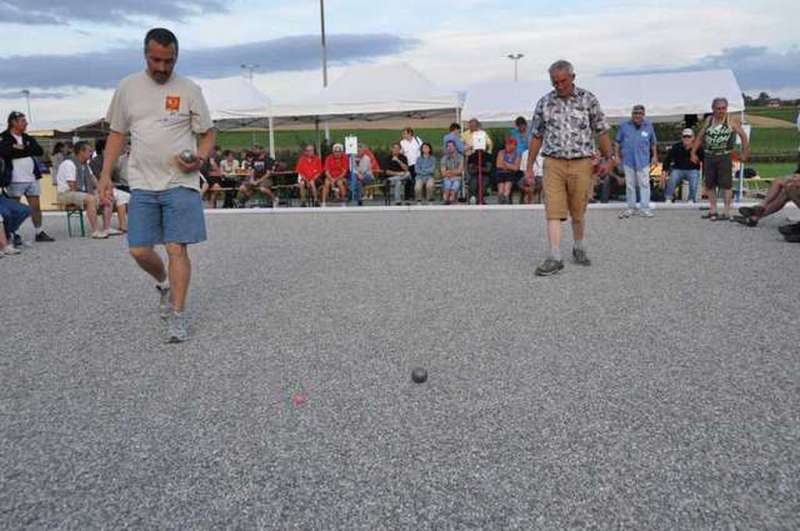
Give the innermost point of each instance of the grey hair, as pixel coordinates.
(719, 99)
(561, 66)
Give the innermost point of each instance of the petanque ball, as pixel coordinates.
(419, 375)
(188, 156)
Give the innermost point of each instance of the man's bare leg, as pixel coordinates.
(554, 237)
(180, 273)
(712, 200)
(727, 199)
(150, 262)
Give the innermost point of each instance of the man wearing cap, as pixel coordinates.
(678, 165)
(166, 116)
(336, 168)
(18, 150)
(564, 126)
(636, 149)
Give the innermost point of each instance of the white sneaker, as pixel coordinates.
(668, 201)
(177, 331)
(625, 214)
(10, 250)
(114, 232)
(647, 214)
(99, 235)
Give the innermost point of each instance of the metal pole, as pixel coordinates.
(324, 61)
(27, 94)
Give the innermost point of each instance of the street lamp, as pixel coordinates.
(249, 67)
(515, 57)
(27, 94)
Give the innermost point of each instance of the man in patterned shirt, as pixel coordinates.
(564, 126)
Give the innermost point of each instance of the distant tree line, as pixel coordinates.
(764, 99)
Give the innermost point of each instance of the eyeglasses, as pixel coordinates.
(720, 108)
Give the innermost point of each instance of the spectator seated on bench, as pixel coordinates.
(780, 193)
(530, 188)
(397, 172)
(309, 171)
(426, 170)
(336, 171)
(452, 170)
(76, 185)
(12, 214)
(259, 178)
(507, 170)
(364, 175)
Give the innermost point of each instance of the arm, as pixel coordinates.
(745, 141)
(533, 152)
(33, 147)
(697, 143)
(604, 141)
(654, 146)
(667, 161)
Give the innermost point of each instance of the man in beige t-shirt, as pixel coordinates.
(165, 115)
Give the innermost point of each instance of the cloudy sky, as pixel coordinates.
(70, 54)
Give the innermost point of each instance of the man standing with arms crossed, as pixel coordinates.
(164, 113)
(564, 125)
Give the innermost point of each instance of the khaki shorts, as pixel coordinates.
(567, 186)
(72, 198)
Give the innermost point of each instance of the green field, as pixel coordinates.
(788, 114)
(774, 169)
(769, 140)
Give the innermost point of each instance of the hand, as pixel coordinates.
(105, 190)
(188, 167)
(19, 146)
(693, 157)
(746, 155)
(604, 168)
(529, 174)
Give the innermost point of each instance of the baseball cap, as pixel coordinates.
(338, 147)
(15, 115)
(687, 132)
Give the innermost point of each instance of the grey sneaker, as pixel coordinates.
(176, 328)
(164, 304)
(647, 214)
(580, 257)
(549, 267)
(625, 214)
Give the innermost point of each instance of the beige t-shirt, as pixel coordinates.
(163, 121)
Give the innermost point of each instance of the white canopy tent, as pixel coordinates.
(667, 97)
(235, 102)
(374, 92)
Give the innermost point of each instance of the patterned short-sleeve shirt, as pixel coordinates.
(567, 126)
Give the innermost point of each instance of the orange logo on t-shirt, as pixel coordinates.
(173, 103)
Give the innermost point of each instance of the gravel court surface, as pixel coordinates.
(657, 389)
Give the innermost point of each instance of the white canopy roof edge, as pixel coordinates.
(373, 89)
(667, 96)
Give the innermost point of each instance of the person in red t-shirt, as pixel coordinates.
(336, 168)
(309, 169)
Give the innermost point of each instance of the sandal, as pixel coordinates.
(723, 217)
(709, 216)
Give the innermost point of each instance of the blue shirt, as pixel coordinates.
(635, 144)
(522, 140)
(425, 166)
(455, 137)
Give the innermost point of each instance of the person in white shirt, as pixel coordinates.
(229, 164)
(411, 147)
(73, 182)
(22, 173)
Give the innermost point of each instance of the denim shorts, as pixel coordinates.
(451, 185)
(168, 216)
(20, 189)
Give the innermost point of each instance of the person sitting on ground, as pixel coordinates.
(508, 164)
(397, 172)
(364, 176)
(73, 185)
(259, 178)
(12, 214)
(426, 168)
(791, 232)
(454, 136)
(678, 166)
(452, 170)
(337, 167)
(309, 170)
(775, 201)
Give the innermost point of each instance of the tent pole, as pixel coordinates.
(271, 138)
(741, 166)
(319, 142)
